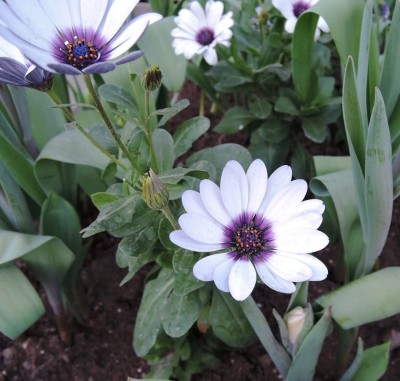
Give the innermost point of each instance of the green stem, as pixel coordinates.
(278, 354)
(149, 133)
(170, 217)
(201, 107)
(105, 117)
(68, 115)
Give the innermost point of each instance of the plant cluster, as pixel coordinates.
(87, 109)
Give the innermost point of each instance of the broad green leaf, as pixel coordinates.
(21, 305)
(285, 105)
(344, 19)
(234, 120)
(20, 215)
(179, 313)
(272, 154)
(340, 187)
(376, 295)
(59, 218)
(164, 147)
(373, 364)
(156, 43)
(225, 76)
(221, 154)
(139, 149)
(261, 108)
(228, 321)
(378, 183)
(72, 147)
(148, 319)
(117, 95)
(188, 132)
(113, 216)
(101, 199)
(175, 175)
(22, 169)
(351, 371)
(170, 112)
(304, 363)
(315, 131)
(389, 83)
(45, 122)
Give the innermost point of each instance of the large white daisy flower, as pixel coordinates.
(260, 225)
(73, 36)
(199, 31)
(292, 9)
(16, 70)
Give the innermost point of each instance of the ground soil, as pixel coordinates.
(102, 350)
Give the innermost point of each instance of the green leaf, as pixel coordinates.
(116, 94)
(229, 322)
(272, 154)
(156, 43)
(170, 112)
(175, 175)
(22, 169)
(389, 83)
(376, 295)
(305, 362)
(188, 132)
(314, 130)
(261, 108)
(185, 282)
(148, 319)
(378, 183)
(179, 313)
(221, 154)
(225, 76)
(285, 105)
(164, 147)
(21, 305)
(139, 149)
(113, 215)
(374, 363)
(234, 120)
(101, 199)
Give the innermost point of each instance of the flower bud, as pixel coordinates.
(152, 76)
(295, 320)
(262, 14)
(154, 191)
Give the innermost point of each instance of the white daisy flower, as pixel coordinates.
(261, 226)
(16, 70)
(74, 36)
(199, 31)
(292, 9)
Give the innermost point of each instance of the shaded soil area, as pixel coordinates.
(103, 350)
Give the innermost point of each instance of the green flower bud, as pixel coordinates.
(154, 191)
(262, 14)
(152, 76)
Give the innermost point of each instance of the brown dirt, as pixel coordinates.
(102, 350)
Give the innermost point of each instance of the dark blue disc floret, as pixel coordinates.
(80, 54)
(300, 7)
(205, 36)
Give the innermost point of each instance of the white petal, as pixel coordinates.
(93, 12)
(210, 55)
(272, 281)
(257, 181)
(58, 13)
(9, 50)
(290, 24)
(319, 270)
(211, 197)
(192, 203)
(214, 12)
(302, 221)
(224, 25)
(221, 274)
(201, 229)
(301, 241)
(179, 238)
(284, 200)
(205, 268)
(115, 16)
(288, 269)
(284, 6)
(198, 11)
(188, 21)
(279, 178)
(234, 188)
(180, 33)
(242, 279)
(323, 25)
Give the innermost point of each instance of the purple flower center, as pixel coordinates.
(299, 8)
(249, 238)
(80, 53)
(205, 36)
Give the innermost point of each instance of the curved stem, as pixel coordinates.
(149, 132)
(105, 117)
(68, 115)
(170, 217)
